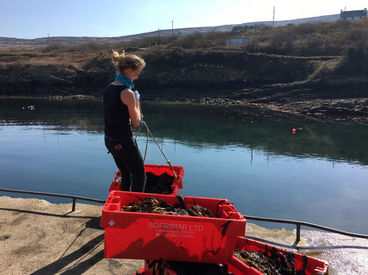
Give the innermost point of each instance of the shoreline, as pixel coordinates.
(345, 110)
(324, 88)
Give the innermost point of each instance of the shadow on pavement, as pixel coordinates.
(81, 253)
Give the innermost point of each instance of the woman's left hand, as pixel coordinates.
(137, 95)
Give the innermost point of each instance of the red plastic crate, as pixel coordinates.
(157, 170)
(167, 268)
(138, 235)
(143, 271)
(310, 265)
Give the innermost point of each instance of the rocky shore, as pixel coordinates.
(349, 110)
(324, 88)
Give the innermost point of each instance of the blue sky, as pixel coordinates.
(40, 18)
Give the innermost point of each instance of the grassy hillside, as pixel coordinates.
(306, 39)
(346, 41)
(280, 65)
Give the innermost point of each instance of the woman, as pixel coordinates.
(121, 111)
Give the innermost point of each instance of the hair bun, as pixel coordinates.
(126, 61)
(118, 57)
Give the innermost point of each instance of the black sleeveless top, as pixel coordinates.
(116, 115)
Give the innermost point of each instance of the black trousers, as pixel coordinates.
(129, 161)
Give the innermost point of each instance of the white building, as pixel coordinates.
(353, 15)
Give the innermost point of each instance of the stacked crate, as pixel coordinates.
(301, 264)
(158, 171)
(161, 239)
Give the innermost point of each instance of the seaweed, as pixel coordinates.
(269, 262)
(152, 205)
(158, 184)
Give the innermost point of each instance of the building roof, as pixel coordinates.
(355, 13)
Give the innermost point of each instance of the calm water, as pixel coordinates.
(319, 174)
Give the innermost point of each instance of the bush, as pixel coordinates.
(308, 39)
(355, 62)
(55, 48)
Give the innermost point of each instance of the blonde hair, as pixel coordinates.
(127, 61)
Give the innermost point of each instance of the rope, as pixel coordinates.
(158, 146)
(149, 133)
(135, 138)
(145, 151)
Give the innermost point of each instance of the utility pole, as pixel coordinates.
(172, 27)
(159, 37)
(254, 39)
(273, 18)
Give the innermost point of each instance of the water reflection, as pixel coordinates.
(257, 163)
(80, 114)
(220, 126)
(200, 126)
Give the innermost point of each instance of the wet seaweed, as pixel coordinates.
(152, 205)
(269, 262)
(156, 184)
(159, 184)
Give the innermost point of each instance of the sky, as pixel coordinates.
(109, 18)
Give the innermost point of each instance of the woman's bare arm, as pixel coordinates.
(128, 98)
